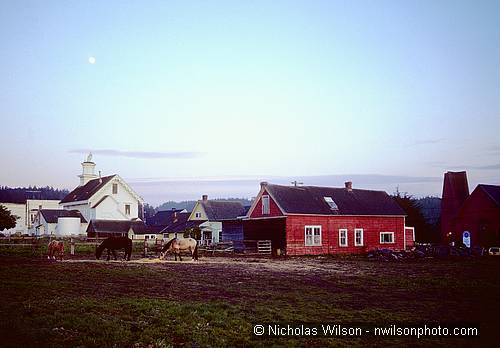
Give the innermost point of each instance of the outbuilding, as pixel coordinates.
(312, 220)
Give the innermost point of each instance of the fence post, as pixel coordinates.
(71, 246)
(145, 247)
(33, 246)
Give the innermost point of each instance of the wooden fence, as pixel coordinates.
(148, 247)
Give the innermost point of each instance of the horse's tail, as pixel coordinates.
(195, 252)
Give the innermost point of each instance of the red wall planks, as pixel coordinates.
(330, 225)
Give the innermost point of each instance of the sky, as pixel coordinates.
(193, 97)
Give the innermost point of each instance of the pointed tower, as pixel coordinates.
(455, 191)
(88, 171)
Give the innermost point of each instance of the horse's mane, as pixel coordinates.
(169, 243)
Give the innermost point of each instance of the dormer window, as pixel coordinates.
(265, 205)
(331, 203)
(115, 189)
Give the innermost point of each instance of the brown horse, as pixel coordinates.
(177, 245)
(55, 247)
(114, 243)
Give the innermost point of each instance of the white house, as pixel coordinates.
(213, 212)
(103, 198)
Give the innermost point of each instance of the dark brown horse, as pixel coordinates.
(114, 243)
(55, 247)
(176, 245)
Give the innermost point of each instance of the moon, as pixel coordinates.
(92, 60)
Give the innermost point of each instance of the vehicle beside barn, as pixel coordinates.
(311, 220)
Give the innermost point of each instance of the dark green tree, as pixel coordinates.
(414, 217)
(193, 232)
(7, 220)
(149, 211)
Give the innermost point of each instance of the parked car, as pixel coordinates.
(494, 251)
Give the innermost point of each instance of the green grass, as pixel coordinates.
(216, 304)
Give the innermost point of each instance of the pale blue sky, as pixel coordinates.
(225, 89)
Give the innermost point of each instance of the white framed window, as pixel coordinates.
(197, 214)
(115, 189)
(358, 237)
(386, 237)
(343, 237)
(127, 209)
(312, 235)
(265, 205)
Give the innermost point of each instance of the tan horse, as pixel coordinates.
(177, 245)
(55, 247)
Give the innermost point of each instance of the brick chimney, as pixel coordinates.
(204, 198)
(348, 186)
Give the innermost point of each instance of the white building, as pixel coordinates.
(19, 210)
(103, 198)
(27, 213)
(59, 222)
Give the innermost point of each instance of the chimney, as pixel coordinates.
(348, 186)
(263, 184)
(100, 178)
(204, 198)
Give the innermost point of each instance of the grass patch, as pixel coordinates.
(216, 304)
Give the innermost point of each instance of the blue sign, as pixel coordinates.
(466, 238)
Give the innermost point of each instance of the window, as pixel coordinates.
(343, 237)
(386, 237)
(313, 235)
(127, 209)
(265, 205)
(115, 189)
(358, 237)
(331, 203)
(197, 214)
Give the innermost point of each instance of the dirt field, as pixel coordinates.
(217, 300)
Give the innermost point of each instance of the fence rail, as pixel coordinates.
(148, 247)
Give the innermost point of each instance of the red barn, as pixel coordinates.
(305, 220)
(480, 216)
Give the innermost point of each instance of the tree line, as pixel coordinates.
(21, 194)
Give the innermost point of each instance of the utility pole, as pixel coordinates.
(296, 183)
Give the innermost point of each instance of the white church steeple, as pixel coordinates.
(88, 171)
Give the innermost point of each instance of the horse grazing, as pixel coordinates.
(114, 243)
(176, 245)
(55, 247)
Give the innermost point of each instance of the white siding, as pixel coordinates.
(20, 211)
